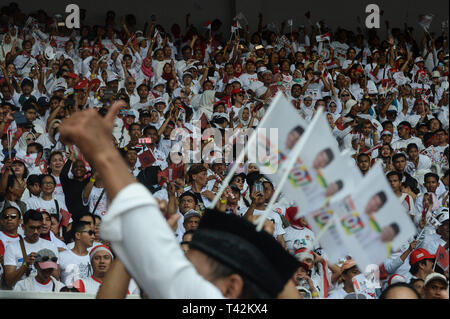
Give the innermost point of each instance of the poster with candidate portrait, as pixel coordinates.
(323, 223)
(276, 136)
(313, 174)
(379, 225)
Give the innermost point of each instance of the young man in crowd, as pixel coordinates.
(75, 263)
(18, 261)
(45, 264)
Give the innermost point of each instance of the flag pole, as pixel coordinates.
(299, 146)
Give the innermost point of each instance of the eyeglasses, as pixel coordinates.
(131, 82)
(30, 139)
(345, 95)
(47, 258)
(48, 183)
(90, 232)
(11, 216)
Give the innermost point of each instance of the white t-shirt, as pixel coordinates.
(47, 205)
(273, 216)
(296, 238)
(340, 293)
(91, 286)
(248, 79)
(43, 287)
(7, 239)
(93, 199)
(74, 267)
(14, 256)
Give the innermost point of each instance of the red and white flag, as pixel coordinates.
(65, 217)
(208, 25)
(236, 26)
(331, 64)
(442, 258)
(425, 21)
(323, 37)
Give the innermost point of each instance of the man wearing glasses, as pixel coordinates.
(10, 221)
(75, 263)
(45, 264)
(130, 86)
(18, 266)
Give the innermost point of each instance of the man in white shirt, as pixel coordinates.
(133, 209)
(18, 266)
(45, 264)
(101, 259)
(405, 138)
(10, 221)
(75, 263)
(348, 270)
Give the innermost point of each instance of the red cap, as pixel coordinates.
(236, 91)
(420, 254)
(220, 102)
(73, 75)
(81, 84)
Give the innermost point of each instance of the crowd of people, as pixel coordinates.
(385, 97)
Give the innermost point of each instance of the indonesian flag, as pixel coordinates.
(442, 258)
(331, 64)
(65, 217)
(208, 25)
(235, 27)
(425, 21)
(323, 37)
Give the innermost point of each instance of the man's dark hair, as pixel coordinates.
(32, 214)
(385, 123)
(83, 214)
(358, 158)
(134, 124)
(78, 227)
(38, 146)
(329, 153)
(249, 290)
(300, 130)
(148, 128)
(190, 194)
(397, 156)
(29, 105)
(385, 292)
(11, 182)
(382, 196)
(394, 173)
(411, 146)
(268, 182)
(432, 175)
(67, 289)
(415, 267)
(405, 123)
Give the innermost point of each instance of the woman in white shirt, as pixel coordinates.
(47, 201)
(56, 163)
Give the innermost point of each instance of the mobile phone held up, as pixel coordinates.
(145, 140)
